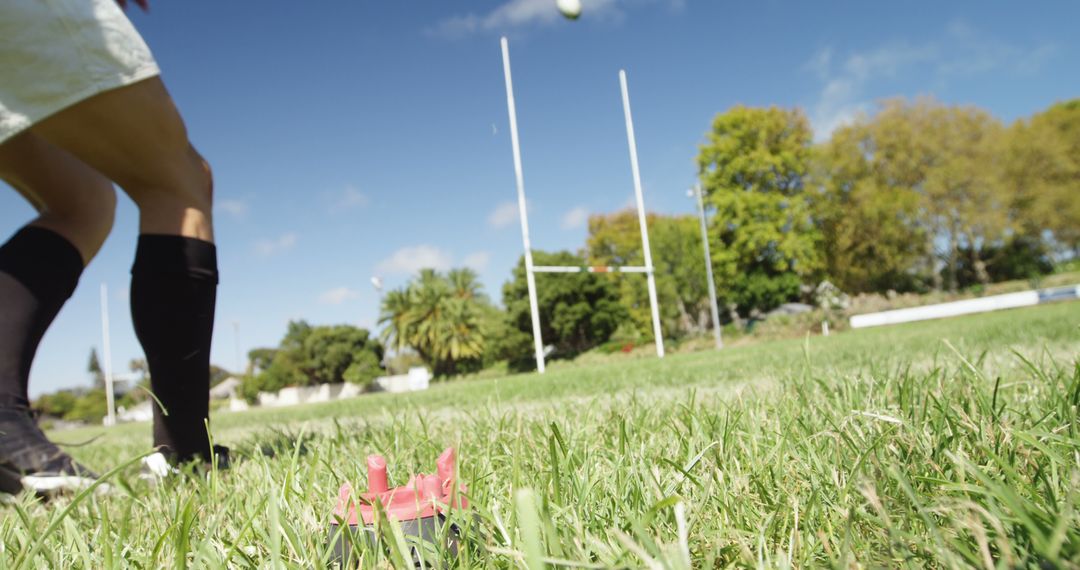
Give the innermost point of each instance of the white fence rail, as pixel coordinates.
(966, 307)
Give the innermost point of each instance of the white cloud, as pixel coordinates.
(238, 209)
(819, 63)
(514, 14)
(503, 215)
(478, 260)
(960, 52)
(351, 197)
(517, 14)
(575, 218)
(274, 246)
(842, 97)
(409, 260)
(972, 52)
(338, 296)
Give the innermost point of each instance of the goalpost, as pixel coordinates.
(530, 269)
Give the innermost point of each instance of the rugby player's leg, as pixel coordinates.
(39, 268)
(41, 263)
(135, 136)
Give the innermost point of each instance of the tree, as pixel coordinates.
(1042, 169)
(310, 355)
(397, 315)
(903, 193)
(578, 311)
(57, 404)
(97, 377)
(259, 359)
(218, 375)
(287, 367)
(1020, 257)
(439, 317)
(139, 366)
(505, 342)
(90, 407)
(753, 171)
(867, 207)
(682, 291)
(963, 195)
(364, 369)
(329, 352)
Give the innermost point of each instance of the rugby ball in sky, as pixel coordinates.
(569, 8)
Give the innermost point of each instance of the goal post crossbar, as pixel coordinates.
(530, 269)
(590, 269)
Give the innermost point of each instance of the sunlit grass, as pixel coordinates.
(943, 444)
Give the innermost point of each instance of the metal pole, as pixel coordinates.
(658, 334)
(708, 267)
(538, 342)
(110, 404)
(236, 342)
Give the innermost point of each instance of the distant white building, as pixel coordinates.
(144, 411)
(227, 388)
(418, 378)
(141, 412)
(124, 383)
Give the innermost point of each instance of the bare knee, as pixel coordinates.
(180, 201)
(70, 197)
(182, 178)
(85, 216)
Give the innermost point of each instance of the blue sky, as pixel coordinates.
(352, 139)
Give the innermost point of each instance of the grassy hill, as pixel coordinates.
(945, 443)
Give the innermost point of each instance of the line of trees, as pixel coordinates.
(924, 195)
(919, 196)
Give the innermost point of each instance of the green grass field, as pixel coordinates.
(944, 444)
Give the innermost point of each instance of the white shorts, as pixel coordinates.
(55, 53)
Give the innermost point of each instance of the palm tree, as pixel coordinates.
(460, 337)
(395, 315)
(464, 282)
(438, 317)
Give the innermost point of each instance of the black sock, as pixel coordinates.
(39, 270)
(173, 291)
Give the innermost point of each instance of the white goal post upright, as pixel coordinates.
(538, 341)
(632, 142)
(106, 368)
(530, 269)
